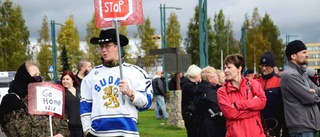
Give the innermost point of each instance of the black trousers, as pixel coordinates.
(212, 127)
(76, 132)
(191, 128)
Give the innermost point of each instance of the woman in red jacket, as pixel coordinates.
(241, 100)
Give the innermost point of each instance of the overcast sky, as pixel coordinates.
(294, 17)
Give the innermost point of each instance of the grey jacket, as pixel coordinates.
(300, 104)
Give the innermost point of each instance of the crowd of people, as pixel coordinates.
(94, 97)
(276, 102)
(229, 103)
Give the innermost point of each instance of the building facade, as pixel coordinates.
(314, 55)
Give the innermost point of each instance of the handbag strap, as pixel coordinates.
(264, 125)
(263, 122)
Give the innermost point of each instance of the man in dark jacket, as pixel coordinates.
(158, 93)
(270, 82)
(84, 66)
(173, 82)
(249, 73)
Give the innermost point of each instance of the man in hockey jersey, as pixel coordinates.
(109, 105)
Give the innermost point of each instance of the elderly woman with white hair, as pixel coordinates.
(188, 86)
(211, 123)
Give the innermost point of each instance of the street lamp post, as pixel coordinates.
(163, 23)
(227, 39)
(54, 50)
(203, 33)
(243, 41)
(163, 28)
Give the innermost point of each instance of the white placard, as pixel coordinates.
(49, 100)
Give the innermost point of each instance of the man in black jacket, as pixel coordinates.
(158, 94)
(273, 112)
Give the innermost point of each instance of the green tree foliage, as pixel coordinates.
(93, 51)
(14, 37)
(44, 57)
(192, 40)
(271, 33)
(211, 44)
(256, 44)
(262, 36)
(126, 50)
(145, 34)
(64, 59)
(173, 36)
(68, 37)
(224, 39)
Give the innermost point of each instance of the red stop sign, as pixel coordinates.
(127, 12)
(115, 9)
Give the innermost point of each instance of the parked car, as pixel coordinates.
(5, 79)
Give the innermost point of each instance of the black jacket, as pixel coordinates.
(158, 87)
(172, 83)
(273, 112)
(72, 109)
(206, 95)
(188, 92)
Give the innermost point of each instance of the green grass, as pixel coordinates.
(149, 126)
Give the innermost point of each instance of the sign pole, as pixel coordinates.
(128, 12)
(119, 55)
(50, 121)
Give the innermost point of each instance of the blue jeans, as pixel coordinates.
(159, 104)
(305, 134)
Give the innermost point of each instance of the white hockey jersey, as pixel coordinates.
(102, 109)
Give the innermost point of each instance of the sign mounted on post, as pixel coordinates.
(127, 12)
(50, 69)
(172, 62)
(46, 98)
